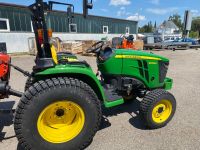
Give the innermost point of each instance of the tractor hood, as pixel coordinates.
(123, 53)
(149, 68)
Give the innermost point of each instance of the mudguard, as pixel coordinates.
(79, 71)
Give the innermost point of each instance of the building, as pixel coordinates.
(16, 27)
(168, 27)
(168, 30)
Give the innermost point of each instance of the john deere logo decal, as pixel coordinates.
(136, 57)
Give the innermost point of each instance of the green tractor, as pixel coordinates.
(61, 106)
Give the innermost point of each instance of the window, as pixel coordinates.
(73, 28)
(127, 30)
(105, 29)
(4, 25)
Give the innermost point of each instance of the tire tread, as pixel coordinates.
(42, 85)
(151, 98)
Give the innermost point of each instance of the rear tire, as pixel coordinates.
(44, 94)
(158, 108)
(28, 83)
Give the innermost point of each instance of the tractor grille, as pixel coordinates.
(163, 67)
(141, 68)
(144, 69)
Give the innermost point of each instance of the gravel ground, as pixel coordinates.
(122, 128)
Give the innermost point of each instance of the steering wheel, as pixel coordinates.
(95, 48)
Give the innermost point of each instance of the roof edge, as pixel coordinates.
(25, 7)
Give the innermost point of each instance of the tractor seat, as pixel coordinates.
(66, 58)
(69, 58)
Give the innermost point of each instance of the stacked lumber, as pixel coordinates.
(138, 44)
(77, 47)
(74, 47)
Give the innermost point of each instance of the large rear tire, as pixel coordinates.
(57, 114)
(158, 108)
(28, 83)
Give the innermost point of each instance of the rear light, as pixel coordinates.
(50, 33)
(40, 35)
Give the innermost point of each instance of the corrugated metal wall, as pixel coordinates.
(19, 18)
(95, 25)
(92, 24)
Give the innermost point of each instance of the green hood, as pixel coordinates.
(139, 53)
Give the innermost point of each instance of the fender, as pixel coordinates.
(80, 72)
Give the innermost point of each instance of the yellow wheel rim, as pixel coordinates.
(61, 122)
(162, 111)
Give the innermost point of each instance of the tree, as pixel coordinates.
(194, 34)
(150, 29)
(144, 29)
(176, 18)
(147, 28)
(196, 25)
(155, 25)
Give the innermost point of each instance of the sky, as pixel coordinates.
(140, 10)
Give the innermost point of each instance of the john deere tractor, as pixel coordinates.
(61, 106)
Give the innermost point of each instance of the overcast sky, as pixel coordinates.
(144, 10)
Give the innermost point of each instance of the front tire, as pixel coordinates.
(158, 108)
(58, 113)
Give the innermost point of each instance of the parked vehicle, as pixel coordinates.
(171, 39)
(183, 43)
(192, 41)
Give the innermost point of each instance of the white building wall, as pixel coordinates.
(77, 36)
(18, 42)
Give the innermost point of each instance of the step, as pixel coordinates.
(111, 94)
